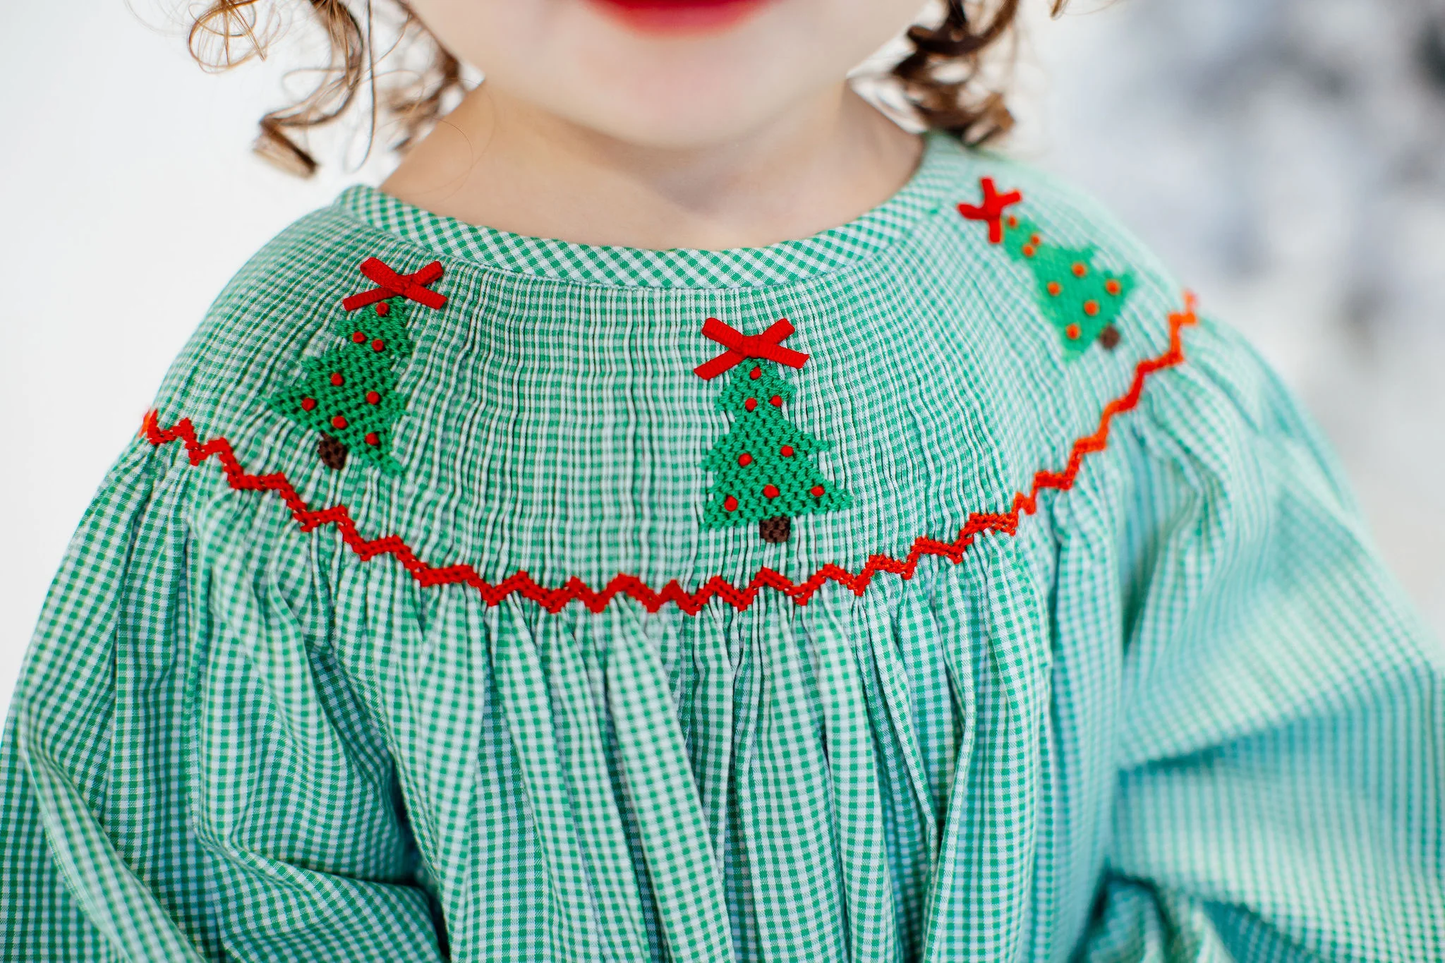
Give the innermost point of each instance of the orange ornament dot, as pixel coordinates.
(1029, 250)
(755, 374)
(750, 404)
(1072, 332)
(786, 451)
(1113, 287)
(371, 438)
(816, 491)
(1055, 288)
(1091, 308)
(358, 336)
(745, 459)
(1080, 270)
(771, 491)
(338, 422)
(1035, 240)
(336, 379)
(1013, 221)
(308, 404)
(730, 504)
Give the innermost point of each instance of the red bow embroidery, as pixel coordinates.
(742, 346)
(991, 209)
(413, 287)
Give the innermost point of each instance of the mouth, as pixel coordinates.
(679, 16)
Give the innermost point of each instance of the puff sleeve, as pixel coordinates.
(185, 773)
(1281, 757)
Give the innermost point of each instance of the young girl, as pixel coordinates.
(684, 515)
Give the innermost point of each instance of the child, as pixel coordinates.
(684, 515)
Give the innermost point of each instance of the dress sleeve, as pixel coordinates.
(185, 773)
(1281, 784)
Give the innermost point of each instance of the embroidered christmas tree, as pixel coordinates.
(765, 466)
(1079, 298)
(348, 394)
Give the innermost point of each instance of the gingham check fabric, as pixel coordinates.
(1181, 714)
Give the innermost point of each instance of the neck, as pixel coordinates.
(813, 167)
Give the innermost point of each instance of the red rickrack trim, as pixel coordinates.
(991, 209)
(555, 599)
(412, 286)
(743, 346)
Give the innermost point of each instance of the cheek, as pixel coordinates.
(570, 58)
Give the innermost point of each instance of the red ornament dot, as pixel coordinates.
(756, 373)
(338, 422)
(750, 404)
(307, 404)
(816, 491)
(771, 491)
(383, 309)
(730, 504)
(358, 336)
(745, 459)
(1072, 332)
(1013, 221)
(1080, 270)
(372, 398)
(1035, 240)
(371, 438)
(776, 401)
(1055, 288)
(378, 345)
(1113, 287)
(786, 451)
(1091, 308)
(1030, 250)
(336, 379)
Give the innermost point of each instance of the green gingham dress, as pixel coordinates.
(1090, 659)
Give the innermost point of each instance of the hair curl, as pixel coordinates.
(940, 78)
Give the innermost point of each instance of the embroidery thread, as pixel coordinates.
(764, 465)
(739, 597)
(348, 394)
(1079, 299)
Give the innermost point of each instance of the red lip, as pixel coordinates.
(679, 16)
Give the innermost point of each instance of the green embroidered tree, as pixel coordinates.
(765, 465)
(348, 394)
(1078, 298)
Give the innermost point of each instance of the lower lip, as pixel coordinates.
(680, 16)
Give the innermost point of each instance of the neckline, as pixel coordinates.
(609, 265)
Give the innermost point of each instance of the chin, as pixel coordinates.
(658, 109)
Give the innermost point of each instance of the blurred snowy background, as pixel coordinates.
(1286, 157)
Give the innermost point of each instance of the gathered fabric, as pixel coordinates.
(942, 586)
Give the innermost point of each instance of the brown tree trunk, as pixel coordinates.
(332, 452)
(1109, 337)
(775, 530)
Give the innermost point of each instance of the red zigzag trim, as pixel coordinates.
(555, 599)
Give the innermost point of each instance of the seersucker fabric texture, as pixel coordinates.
(1180, 712)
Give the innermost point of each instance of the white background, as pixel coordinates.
(129, 198)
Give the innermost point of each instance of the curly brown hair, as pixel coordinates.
(940, 79)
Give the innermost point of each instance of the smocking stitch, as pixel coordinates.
(764, 465)
(739, 597)
(1078, 298)
(348, 394)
